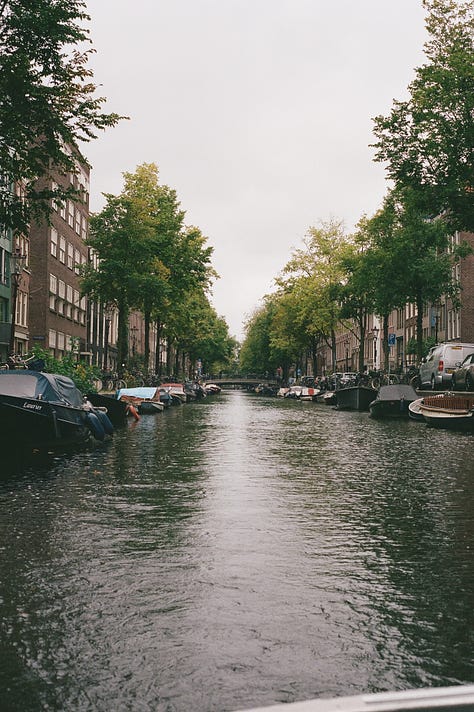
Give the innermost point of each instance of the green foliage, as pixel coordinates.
(427, 142)
(48, 102)
(84, 376)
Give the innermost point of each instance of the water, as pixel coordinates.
(238, 552)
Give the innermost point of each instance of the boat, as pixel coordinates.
(146, 399)
(116, 410)
(212, 389)
(46, 411)
(176, 391)
(329, 398)
(392, 401)
(355, 397)
(306, 393)
(449, 410)
(414, 410)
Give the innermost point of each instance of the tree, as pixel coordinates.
(47, 103)
(427, 141)
(314, 273)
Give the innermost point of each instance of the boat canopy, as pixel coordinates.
(397, 392)
(144, 392)
(50, 387)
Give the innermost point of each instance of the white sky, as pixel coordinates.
(257, 112)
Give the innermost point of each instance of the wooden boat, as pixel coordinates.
(414, 410)
(449, 410)
(355, 397)
(392, 401)
(146, 399)
(46, 411)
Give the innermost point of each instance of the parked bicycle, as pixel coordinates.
(381, 378)
(112, 382)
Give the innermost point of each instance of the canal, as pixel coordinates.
(237, 552)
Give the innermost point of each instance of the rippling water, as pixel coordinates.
(238, 552)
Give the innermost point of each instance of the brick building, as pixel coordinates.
(57, 312)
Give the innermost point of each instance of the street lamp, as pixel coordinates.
(375, 331)
(17, 263)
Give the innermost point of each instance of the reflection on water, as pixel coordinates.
(238, 552)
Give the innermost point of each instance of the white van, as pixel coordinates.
(436, 370)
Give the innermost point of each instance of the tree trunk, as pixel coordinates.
(147, 339)
(122, 339)
(158, 364)
(419, 327)
(386, 350)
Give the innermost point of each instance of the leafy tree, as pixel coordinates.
(48, 102)
(314, 273)
(118, 236)
(427, 141)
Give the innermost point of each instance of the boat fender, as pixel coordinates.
(131, 410)
(105, 421)
(95, 426)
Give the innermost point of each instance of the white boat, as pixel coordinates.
(414, 410)
(146, 399)
(302, 392)
(449, 411)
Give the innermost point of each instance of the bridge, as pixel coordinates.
(243, 381)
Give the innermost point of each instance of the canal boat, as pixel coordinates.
(392, 401)
(146, 399)
(116, 410)
(176, 391)
(46, 411)
(414, 410)
(305, 393)
(355, 397)
(450, 411)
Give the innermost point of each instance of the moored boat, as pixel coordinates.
(392, 401)
(414, 410)
(355, 397)
(449, 410)
(176, 391)
(146, 399)
(46, 411)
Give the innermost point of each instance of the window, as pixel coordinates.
(77, 260)
(3, 269)
(60, 306)
(70, 256)
(70, 219)
(69, 292)
(84, 228)
(54, 242)
(52, 339)
(62, 249)
(62, 210)
(68, 311)
(60, 341)
(77, 226)
(77, 298)
(62, 289)
(52, 302)
(53, 283)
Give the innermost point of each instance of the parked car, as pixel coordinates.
(463, 377)
(436, 370)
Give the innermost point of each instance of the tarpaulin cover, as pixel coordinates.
(45, 386)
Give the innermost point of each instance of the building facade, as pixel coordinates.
(58, 314)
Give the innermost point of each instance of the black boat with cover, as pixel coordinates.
(45, 410)
(393, 401)
(355, 397)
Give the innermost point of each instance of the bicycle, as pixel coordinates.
(112, 382)
(384, 379)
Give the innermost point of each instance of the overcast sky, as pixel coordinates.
(257, 112)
